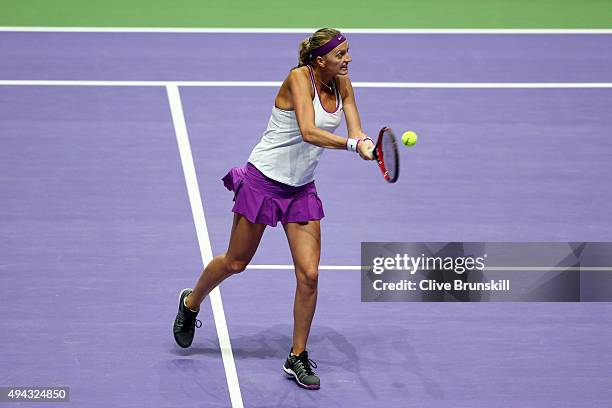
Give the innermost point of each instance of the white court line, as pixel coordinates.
(220, 30)
(195, 200)
(487, 268)
(321, 267)
(252, 84)
(550, 268)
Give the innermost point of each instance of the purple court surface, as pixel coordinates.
(98, 238)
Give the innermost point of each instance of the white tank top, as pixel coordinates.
(282, 154)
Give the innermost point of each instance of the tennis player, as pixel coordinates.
(277, 185)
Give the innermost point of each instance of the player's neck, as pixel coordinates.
(324, 82)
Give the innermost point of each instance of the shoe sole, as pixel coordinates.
(180, 301)
(292, 374)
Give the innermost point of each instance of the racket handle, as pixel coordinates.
(375, 153)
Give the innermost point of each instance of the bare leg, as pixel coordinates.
(305, 244)
(244, 240)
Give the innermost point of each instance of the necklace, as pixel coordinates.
(331, 88)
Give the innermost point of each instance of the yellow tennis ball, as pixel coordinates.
(409, 138)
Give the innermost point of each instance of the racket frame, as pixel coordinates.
(379, 156)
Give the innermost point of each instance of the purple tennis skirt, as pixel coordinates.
(262, 200)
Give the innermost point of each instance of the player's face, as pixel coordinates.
(338, 59)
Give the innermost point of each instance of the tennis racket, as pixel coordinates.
(387, 155)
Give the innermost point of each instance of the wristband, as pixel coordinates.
(351, 144)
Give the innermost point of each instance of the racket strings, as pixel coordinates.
(389, 153)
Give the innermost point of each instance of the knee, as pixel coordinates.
(235, 265)
(309, 277)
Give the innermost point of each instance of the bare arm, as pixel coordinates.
(299, 88)
(353, 121)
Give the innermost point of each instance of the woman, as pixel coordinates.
(277, 184)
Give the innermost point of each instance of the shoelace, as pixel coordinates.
(306, 363)
(182, 320)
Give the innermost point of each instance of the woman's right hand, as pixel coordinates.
(365, 149)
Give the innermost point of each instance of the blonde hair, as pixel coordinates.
(316, 40)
